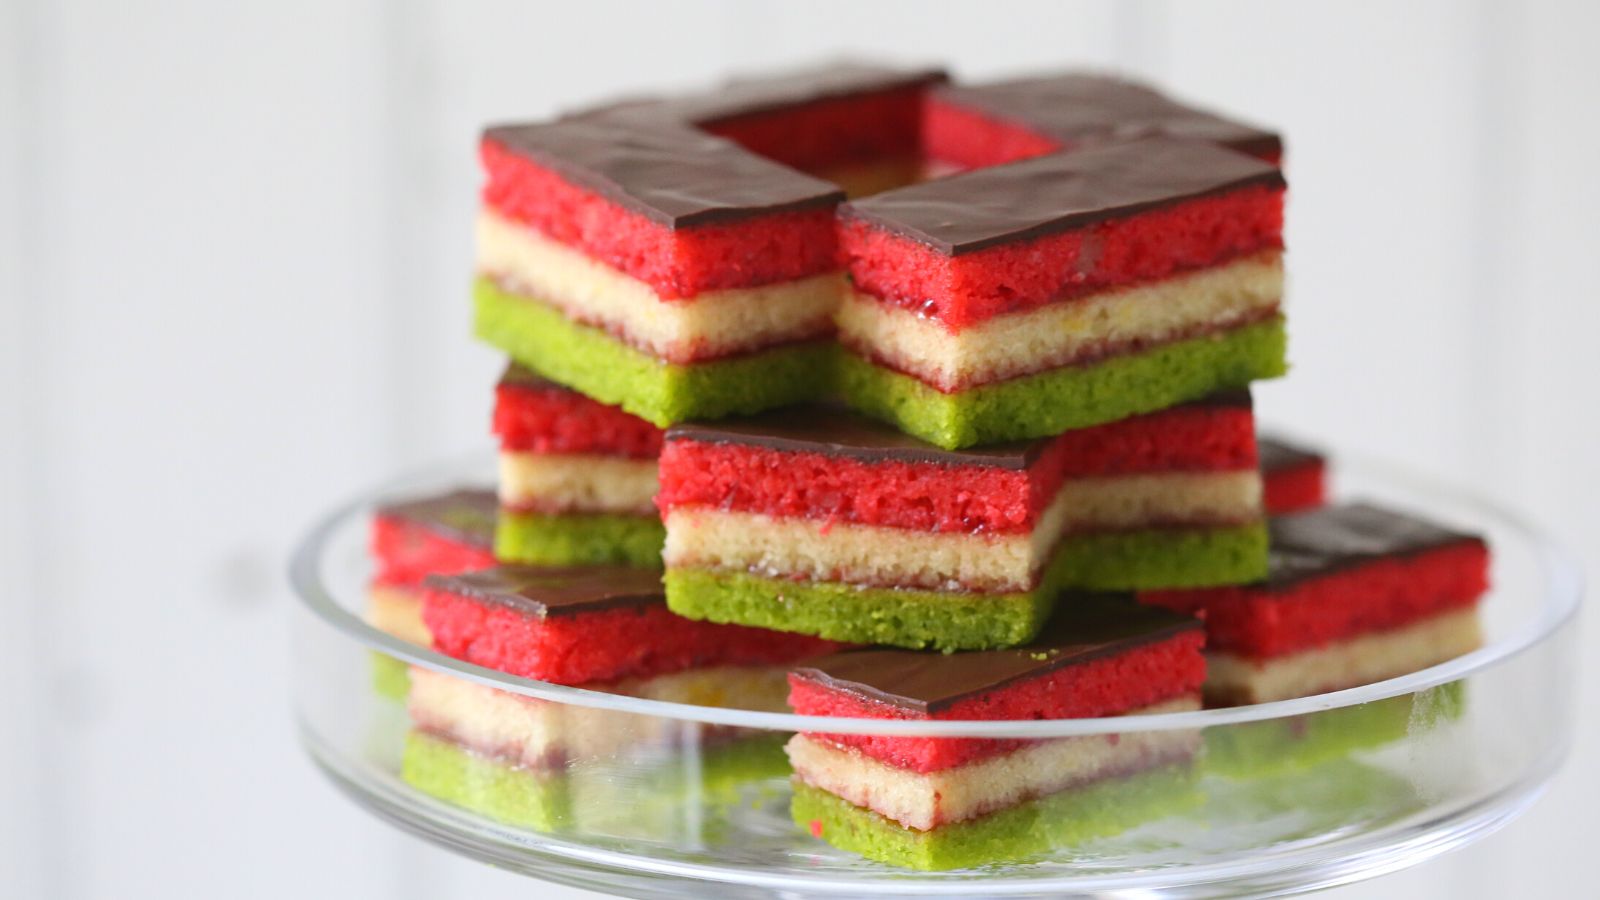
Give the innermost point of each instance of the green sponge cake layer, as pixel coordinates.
(592, 361)
(964, 620)
(1060, 820)
(572, 539)
(1150, 559)
(391, 678)
(534, 800)
(1254, 748)
(1068, 398)
(859, 615)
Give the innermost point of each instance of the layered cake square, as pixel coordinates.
(412, 539)
(1293, 476)
(819, 521)
(970, 126)
(633, 254)
(1060, 292)
(941, 803)
(577, 477)
(1355, 593)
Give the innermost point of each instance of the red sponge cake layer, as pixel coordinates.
(1099, 656)
(534, 415)
(440, 535)
(772, 465)
(578, 625)
(968, 139)
(962, 289)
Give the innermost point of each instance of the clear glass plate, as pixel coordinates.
(663, 799)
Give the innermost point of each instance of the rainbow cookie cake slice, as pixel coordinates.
(587, 624)
(1354, 594)
(412, 539)
(1294, 477)
(970, 126)
(636, 254)
(577, 478)
(1023, 300)
(819, 521)
(940, 803)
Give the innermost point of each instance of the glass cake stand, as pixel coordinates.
(663, 799)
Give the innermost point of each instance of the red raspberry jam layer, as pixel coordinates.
(549, 418)
(1295, 488)
(677, 264)
(1108, 686)
(603, 645)
(1262, 622)
(406, 552)
(950, 498)
(970, 288)
(816, 137)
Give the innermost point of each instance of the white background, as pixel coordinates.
(234, 254)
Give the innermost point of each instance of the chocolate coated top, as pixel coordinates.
(465, 515)
(648, 155)
(839, 432)
(553, 592)
(1085, 627)
(1079, 109)
(1308, 544)
(1048, 194)
(1278, 455)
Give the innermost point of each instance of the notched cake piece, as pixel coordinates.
(1065, 291)
(971, 126)
(577, 477)
(412, 539)
(820, 521)
(1354, 594)
(1293, 476)
(952, 802)
(586, 624)
(633, 253)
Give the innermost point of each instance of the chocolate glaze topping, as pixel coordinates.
(1085, 627)
(553, 592)
(839, 432)
(466, 515)
(1049, 194)
(1080, 109)
(753, 96)
(1309, 544)
(1279, 455)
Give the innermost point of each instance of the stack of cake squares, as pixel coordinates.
(861, 393)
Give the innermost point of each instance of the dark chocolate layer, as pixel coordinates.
(1085, 627)
(1049, 194)
(554, 592)
(1333, 538)
(838, 432)
(1278, 455)
(466, 515)
(1081, 109)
